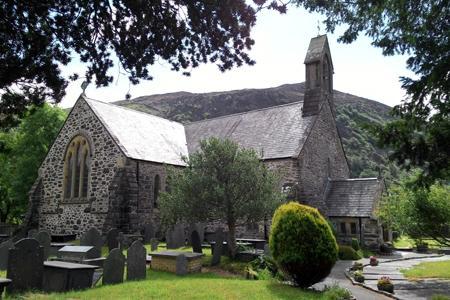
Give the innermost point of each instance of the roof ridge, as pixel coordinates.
(246, 112)
(129, 109)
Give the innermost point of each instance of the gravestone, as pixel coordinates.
(120, 241)
(191, 228)
(4, 254)
(112, 239)
(154, 244)
(181, 265)
(149, 233)
(196, 244)
(32, 233)
(136, 262)
(201, 231)
(92, 238)
(267, 250)
(175, 237)
(46, 230)
(25, 265)
(113, 267)
(218, 247)
(179, 236)
(45, 240)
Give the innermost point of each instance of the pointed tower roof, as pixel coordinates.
(317, 47)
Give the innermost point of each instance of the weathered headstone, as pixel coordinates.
(46, 230)
(149, 233)
(181, 265)
(136, 262)
(32, 233)
(201, 231)
(218, 247)
(112, 239)
(4, 254)
(91, 238)
(45, 240)
(113, 267)
(196, 244)
(191, 228)
(120, 241)
(154, 244)
(175, 237)
(179, 236)
(267, 250)
(25, 265)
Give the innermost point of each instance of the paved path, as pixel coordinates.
(389, 266)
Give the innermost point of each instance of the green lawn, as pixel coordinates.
(435, 269)
(405, 241)
(225, 281)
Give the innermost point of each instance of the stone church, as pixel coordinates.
(105, 168)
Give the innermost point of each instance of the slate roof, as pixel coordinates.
(140, 135)
(279, 130)
(351, 197)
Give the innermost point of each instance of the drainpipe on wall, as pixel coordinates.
(361, 234)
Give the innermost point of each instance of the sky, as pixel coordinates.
(281, 45)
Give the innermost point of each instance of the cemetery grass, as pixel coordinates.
(405, 241)
(436, 269)
(225, 281)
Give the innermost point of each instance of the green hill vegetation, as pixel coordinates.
(363, 156)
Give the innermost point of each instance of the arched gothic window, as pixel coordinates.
(76, 170)
(156, 189)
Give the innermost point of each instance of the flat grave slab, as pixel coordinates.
(166, 260)
(255, 243)
(78, 253)
(62, 276)
(54, 247)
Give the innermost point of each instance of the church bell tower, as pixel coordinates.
(319, 76)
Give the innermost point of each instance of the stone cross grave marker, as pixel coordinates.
(196, 244)
(121, 241)
(154, 244)
(4, 254)
(112, 239)
(113, 267)
(149, 233)
(218, 247)
(25, 265)
(181, 265)
(136, 262)
(45, 240)
(91, 238)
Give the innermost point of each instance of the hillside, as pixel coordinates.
(362, 154)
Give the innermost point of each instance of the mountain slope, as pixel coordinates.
(363, 156)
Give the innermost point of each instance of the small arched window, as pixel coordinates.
(156, 189)
(76, 170)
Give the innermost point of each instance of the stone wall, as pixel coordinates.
(78, 215)
(321, 157)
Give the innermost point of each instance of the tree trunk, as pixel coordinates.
(232, 234)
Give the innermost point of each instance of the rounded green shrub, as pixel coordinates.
(303, 244)
(355, 244)
(348, 253)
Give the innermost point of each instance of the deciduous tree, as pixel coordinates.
(22, 150)
(222, 182)
(417, 210)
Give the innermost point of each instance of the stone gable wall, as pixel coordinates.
(61, 216)
(323, 143)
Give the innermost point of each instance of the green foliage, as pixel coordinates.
(222, 183)
(22, 150)
(439, 297)
(41, 36)
(416, 210)
(348, 253)
(355, 244)
(335, 292)
(263, 268)
(333, 229)
(302, 243)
